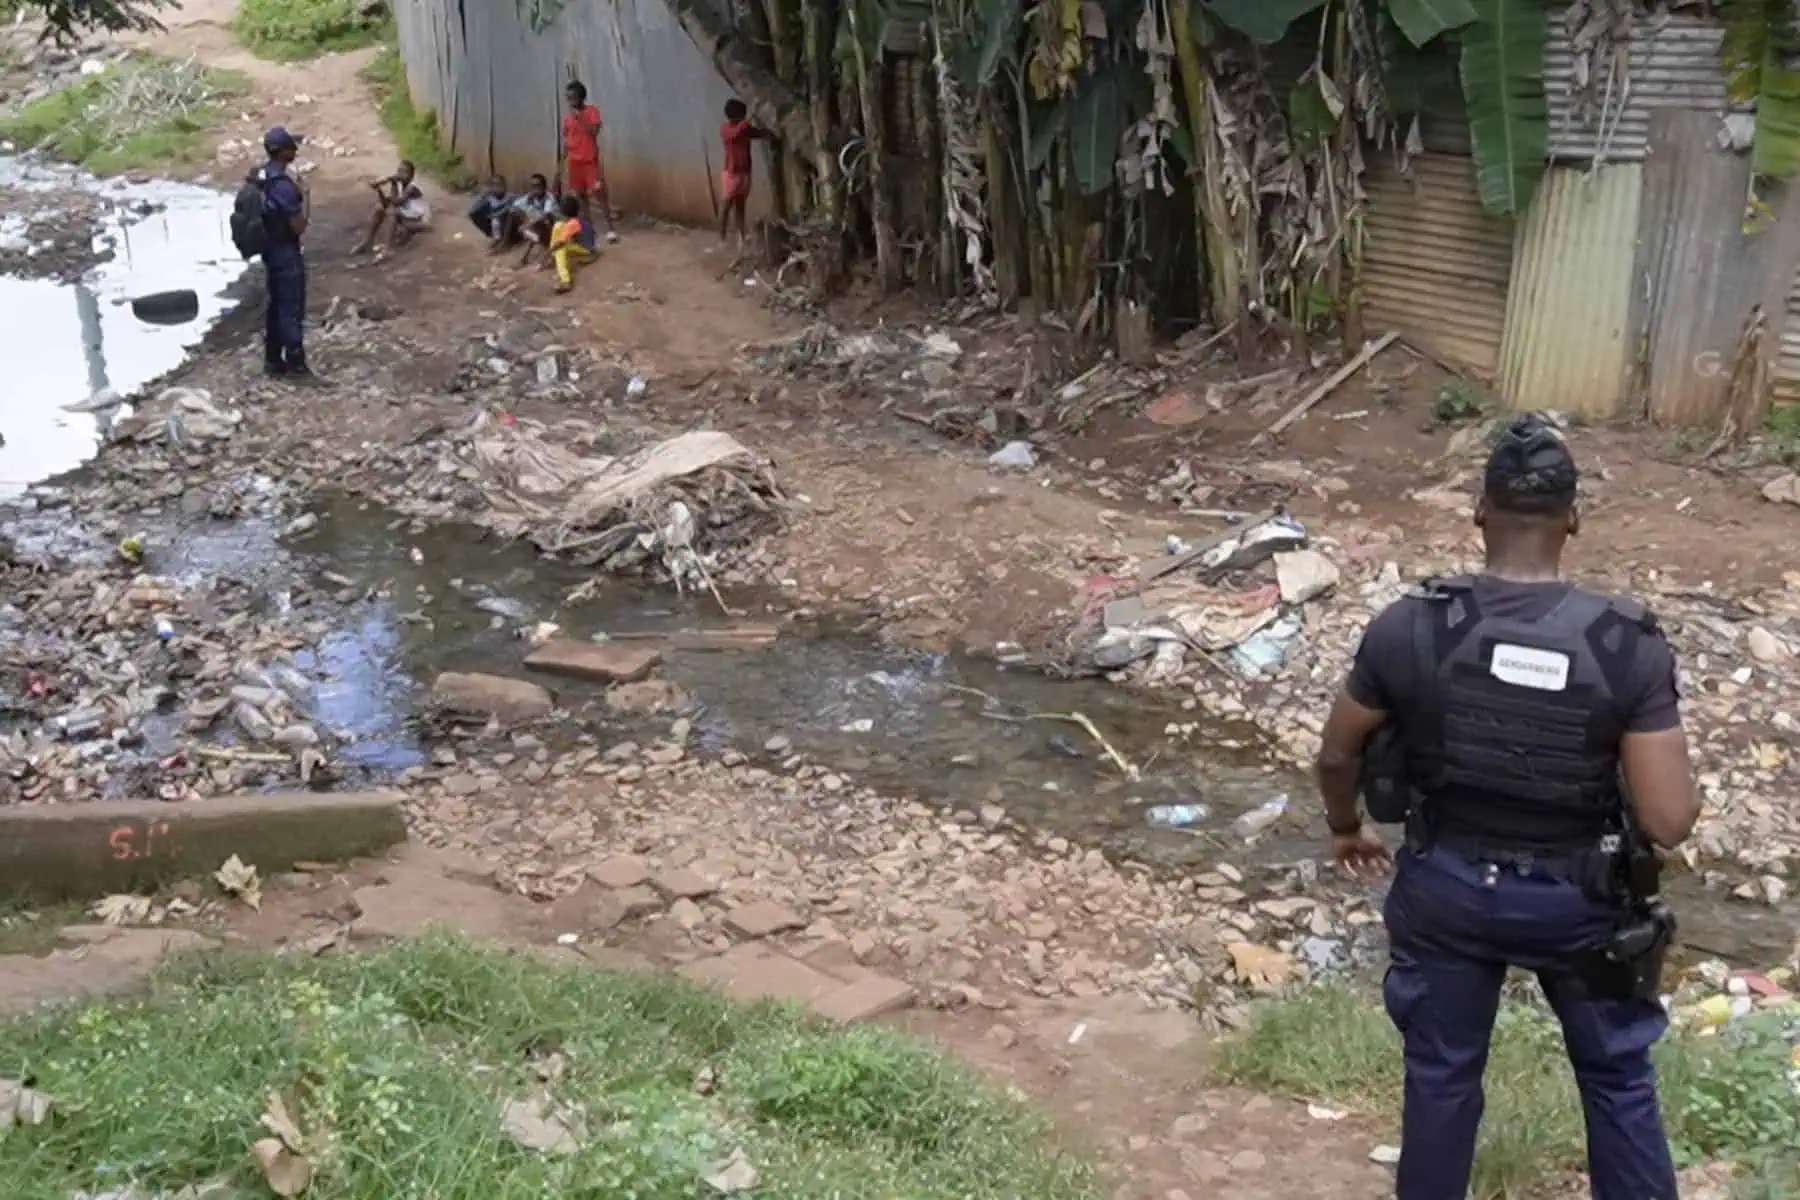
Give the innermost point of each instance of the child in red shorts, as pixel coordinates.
(735, 135)
(582, 174)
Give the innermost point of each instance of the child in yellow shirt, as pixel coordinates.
(566, 249)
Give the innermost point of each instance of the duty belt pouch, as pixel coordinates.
(1628, 964)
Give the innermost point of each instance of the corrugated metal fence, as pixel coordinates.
(496, 84)
(1672, 63)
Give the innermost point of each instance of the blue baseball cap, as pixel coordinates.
(281, 138)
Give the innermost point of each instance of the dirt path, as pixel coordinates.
(1013, 941)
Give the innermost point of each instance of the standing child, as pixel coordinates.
(735, 135)
(582, 174)
(566, 250)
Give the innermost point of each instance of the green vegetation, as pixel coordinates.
(296, 30)
(414, 132)
(142, 113)
(1458, 400)
(395, 1066)
(1724, 1098)
(33, 929)
(1781, 436)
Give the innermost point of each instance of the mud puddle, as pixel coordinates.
(74, 252)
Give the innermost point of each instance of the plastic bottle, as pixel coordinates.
(1262, 816)
(1177, 816)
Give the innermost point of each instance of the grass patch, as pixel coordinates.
(296, 30)
(395, 1065)
(1781, 435)
(1724, 1098)
(141, 113)
(415, 133)
(32, 929)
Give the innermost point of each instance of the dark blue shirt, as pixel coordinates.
(282, 203)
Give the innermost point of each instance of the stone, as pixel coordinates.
(1765, 647)
(1304, 575)
(85, 851)
(751, 972)
(496, 696)
(622, 871)
(687, 914)
(627, 904)
(606, 662)
(865, 1000)
(646, 696)
(683, 883)
(761, 918)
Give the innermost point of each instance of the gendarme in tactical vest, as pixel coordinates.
(1512, 738)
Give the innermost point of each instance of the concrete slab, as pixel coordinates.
(85, 851)
(865, 1000)
(751, 972)
(760, 918)
(607, 662)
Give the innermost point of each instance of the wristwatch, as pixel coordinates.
(1355, 826)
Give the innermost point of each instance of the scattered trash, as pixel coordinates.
(1018, 456)
(1262, 816)
(636, 388)
(536, 1123)
(735, 1176)
(1304, 575)
(239, 880)
(282, 1157)
(1387, 1156)
(1177, 816)
(1319, 1112)
(1263, 652)
(22, 1105)
(123, 910)
(1260, 967)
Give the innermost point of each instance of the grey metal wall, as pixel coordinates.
(496, 86)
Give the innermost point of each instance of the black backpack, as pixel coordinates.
(249, 232)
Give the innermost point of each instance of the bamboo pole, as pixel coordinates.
(869, 89)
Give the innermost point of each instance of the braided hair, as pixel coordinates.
(1531, 471)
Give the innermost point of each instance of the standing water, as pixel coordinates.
(63, 339)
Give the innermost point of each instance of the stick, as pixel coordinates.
(1074, 718)
(1153, 569)
(229, 755)
(1330, 385)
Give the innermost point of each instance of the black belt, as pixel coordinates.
(1567, 861)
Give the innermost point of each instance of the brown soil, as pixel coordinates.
(890, 517)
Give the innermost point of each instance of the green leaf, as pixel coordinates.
(1262, 21)
(1094, 116)
(1417, 81)
(1775, 149)
(1422, 20)
(999, 37)
(1509, 115)
(1048, 124)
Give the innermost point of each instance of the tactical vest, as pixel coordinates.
(1518, 722)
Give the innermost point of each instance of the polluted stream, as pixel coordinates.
(398, 604)
(67, 339)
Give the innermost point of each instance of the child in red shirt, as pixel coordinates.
(735, 135)
(582, 174)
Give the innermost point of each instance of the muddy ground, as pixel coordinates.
(321, 556)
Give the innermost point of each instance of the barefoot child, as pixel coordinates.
(566, 250)
(532, 217)
(735, 135)
(582, 174)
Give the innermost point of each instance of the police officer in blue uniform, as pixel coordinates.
(286, 210)
(1532, 729)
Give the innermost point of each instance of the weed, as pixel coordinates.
(296, 30)
(1458, 400)
(1726, 1097)
(142, 113)
(1781, 436)
(415, 133)
(399, 1062)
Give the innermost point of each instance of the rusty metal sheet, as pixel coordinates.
(1702, 276)
(496, 84)
(1435, 264)
(1786, 375)
(1672, 63)
(1569, 339)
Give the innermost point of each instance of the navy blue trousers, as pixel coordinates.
(1454, 926)
(285, 324)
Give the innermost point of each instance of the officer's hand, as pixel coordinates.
(1361, 855)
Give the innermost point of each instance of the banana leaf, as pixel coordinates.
(1000, 23)
(1759, 43)
(1264, 21)
(1509, 114)
(1775, 150)
(1418, 81)
(1095, 121)
(1422, 20)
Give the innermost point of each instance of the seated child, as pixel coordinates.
(400, 204)
(489, 207)
(531, 217)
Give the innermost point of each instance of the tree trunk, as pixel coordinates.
(868, 81)
(773, 105)
(1212, 216)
